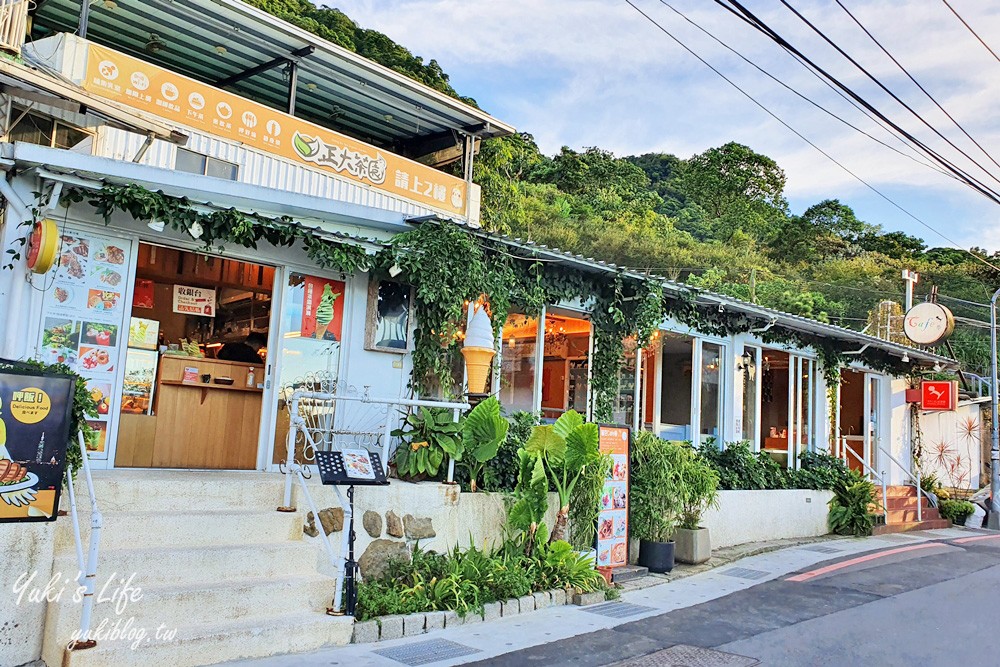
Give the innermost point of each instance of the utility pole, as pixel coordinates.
(910, 278)
(993, 521)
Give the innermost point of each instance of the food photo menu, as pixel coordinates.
(83, 317)
(612, 517)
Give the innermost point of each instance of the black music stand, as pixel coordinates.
(332, 472)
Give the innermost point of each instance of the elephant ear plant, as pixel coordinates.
(482, 432)
(427, 436)
(564, 449)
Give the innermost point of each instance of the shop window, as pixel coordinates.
(565, 365)
(518, 365)
(196, 163)
(788, 400)
(750, 372)
(711, 393)
(35, 128)
(676, 382)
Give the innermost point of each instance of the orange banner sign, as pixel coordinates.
(187, 102)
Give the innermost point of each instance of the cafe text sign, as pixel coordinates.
(177, 98)
(928, 323)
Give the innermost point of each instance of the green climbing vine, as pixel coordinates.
(218, 226)
(450, 267)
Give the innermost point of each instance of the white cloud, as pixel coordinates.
(596, 73)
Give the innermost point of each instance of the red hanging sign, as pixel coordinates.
(938, 395)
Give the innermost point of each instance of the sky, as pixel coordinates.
(583, 73)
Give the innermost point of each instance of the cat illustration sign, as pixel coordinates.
(938, 395)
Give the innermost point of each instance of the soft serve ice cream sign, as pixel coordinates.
(478, 350)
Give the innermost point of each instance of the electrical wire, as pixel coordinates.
(964, 176)
(974, 33)
(807, 99)
(916, 83)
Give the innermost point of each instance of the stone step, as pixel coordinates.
(180, 605)
(181, 490)
(190, 565)
(909, 503)
(208, 644)
(897, 491)
(620, 575)
(122, 530)
(936, 524)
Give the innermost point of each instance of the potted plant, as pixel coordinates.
(699, 491)
(655, 499)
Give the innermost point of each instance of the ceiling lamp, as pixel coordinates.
(155, 44)
(220, 49)
(110, 5)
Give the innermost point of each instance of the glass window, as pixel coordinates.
(750, 383)
(711, 392)
(675, 387)
(517, 365)
(69, 137)
(35, 128)
(565, 363)
(624, 411)
(189, 161)
(196, 163)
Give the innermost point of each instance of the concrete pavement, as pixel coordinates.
(850, 595)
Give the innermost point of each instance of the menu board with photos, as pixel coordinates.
(83, 318)
(612, 517)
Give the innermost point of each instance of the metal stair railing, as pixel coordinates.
(845, 450)
(87, 577)
(914, 478)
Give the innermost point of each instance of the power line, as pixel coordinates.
(965, 177)
(759, 25)
(975, 34)
(881, 85)
(807, 99)
(916, 83)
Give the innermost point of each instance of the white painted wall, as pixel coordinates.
(755, 516)
(951, 436)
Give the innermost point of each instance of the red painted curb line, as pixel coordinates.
(805, 576)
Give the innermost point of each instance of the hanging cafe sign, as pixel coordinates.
(928, 323)
(187, 102)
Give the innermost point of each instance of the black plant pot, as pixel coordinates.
(657, 556)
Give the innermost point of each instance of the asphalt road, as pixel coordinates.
(936, 603)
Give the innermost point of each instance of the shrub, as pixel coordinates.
(583, 503)
(850, 508)
(956, 511)
(501, 473)
(741, 469)
(655, 493)
(699, 488)
(818, 470)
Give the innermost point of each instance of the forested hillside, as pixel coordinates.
(719, 219)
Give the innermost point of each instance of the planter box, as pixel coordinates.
(758, 516)
(692, 546)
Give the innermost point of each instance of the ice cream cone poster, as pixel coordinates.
(35, 417)
(323, 309)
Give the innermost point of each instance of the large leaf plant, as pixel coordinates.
(482, 432)
(427, 436)
(564, 449)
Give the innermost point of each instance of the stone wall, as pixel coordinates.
(756, 516)
(439, 516)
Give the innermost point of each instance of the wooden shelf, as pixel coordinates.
(210, 385)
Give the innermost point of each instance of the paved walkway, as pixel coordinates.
(731, 571)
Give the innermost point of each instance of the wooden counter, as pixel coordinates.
(196, 424)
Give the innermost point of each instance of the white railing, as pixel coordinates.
(914, 478)
(87, 569)
(845, 450)
(13, 24)
(315, 426)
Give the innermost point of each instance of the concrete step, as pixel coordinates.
(620, 575)
(208, 644)
(179, 605)
(191, 565)
(182, 490)
(936, 524)
(897, 491)
(909, 503)
(908, 515)
(122, 530)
